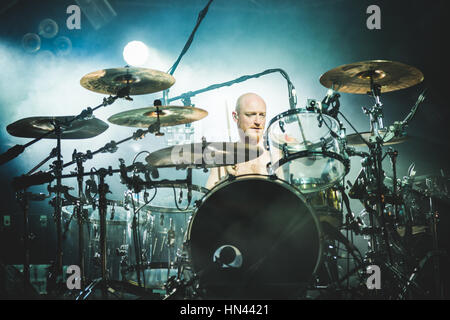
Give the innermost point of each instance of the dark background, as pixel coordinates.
(237, 37)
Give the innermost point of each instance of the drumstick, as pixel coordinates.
(228, 120)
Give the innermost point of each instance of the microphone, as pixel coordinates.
(326, 100)
(292, 96)
(413, 111)
(36, 196)
(154, 172)
(11, 153)
(24, 181)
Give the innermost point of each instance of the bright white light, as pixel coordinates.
(135, 53)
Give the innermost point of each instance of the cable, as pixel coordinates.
(201, 16)
(354, 129)
(237, 80)
(135, 157)
(176, 202)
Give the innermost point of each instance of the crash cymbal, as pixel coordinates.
(140, 80)
(355, 77)
(35, 127)
(215, 154)
(168, 116)
(388, 139)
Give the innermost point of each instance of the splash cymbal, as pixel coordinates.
(214, 154)
(168, 116)
(139, 80)
(355, 77)
(35, 127)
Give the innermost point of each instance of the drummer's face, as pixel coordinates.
(251, 119)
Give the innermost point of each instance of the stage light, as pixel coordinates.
(135, 53)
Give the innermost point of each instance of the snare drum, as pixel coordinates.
(254, 236)
(309, 148)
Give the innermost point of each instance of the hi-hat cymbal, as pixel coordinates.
(355, 77)
(139, 80)
(214, 154)
(35, 127)
(168, 116)
(388, 139)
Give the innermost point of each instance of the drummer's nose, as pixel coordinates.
(258, 121)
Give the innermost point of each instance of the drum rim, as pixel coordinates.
(307, 153)
(271, 178)
(292, 112)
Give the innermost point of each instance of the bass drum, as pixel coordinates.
(254, 237)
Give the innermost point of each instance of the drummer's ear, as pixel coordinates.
(235, 116)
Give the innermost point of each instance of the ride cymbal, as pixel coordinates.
(213, 154)
(355, 77)
(168, 116)
(388, 139)
(139, 81)
(35, 127)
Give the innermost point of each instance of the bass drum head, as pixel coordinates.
(254, 237)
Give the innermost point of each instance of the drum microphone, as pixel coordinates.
(24, 181)
(36, 196)
(413, 111)
(11, 153)
(292, 96)
(398, 128)
(326, 100)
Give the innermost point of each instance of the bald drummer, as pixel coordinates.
(250, 118)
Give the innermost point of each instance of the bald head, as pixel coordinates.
(250, 116)
(249, 99)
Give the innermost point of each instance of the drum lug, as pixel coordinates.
(197, 203)
(285, 151)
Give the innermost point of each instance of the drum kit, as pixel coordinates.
(251, 236)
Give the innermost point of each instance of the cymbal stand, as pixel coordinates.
(375, 167)
(56, 202)
(103, 189)
(85, 114)
(393, 154)
(55, 276)
(433, 217)
(23, 198)
(81, 216)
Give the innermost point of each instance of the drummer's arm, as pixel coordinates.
(213, 178)
(280, 172)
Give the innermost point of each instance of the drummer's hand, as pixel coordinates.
(231, 170)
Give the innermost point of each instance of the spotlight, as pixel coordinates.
(135, 53)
